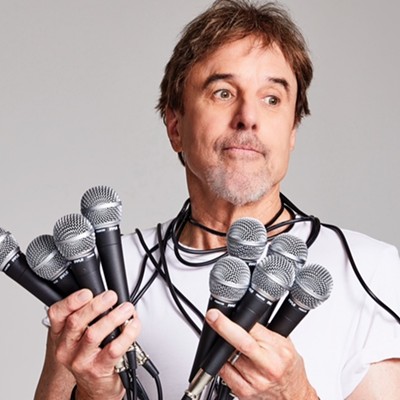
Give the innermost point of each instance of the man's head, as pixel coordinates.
(226, 21)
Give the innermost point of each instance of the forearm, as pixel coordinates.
(55, 382)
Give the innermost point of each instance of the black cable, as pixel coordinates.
(159, 387)
(156, 264)
(346, 246)
(170, 285)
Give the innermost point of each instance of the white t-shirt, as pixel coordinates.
(337, 340)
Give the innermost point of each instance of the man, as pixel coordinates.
(232, 97)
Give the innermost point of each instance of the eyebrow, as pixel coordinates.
(216, 77)
(219, 77)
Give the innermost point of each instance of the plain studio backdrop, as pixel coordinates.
(78, 85)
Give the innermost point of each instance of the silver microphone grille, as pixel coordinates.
(247, 239)
(229, 279)
(44, 258)
(102, 206)
(313, 285)
(273, 276)
(8, 247)
(290, 247)
(74, 236)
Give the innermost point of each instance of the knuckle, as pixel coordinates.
(73, 322)
(90, 336)
(248, 345)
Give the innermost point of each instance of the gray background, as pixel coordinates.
(78, 85)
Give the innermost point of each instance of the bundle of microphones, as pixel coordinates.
(57, 265)
(247, 286)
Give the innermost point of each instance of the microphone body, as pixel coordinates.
(102, 206)
(313, 285)
(13, 263)
(229, 280)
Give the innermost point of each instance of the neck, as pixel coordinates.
(210, 223)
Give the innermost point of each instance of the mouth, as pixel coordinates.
(242, 150)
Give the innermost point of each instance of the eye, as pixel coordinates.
(223, 94)
(271, 100)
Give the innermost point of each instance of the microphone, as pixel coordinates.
(46, 261)
(313, 285)
(290, 247)
(229, 280)
(13, 263)
(271, 279)
(102, 206)
(247, 240)
(293, 250)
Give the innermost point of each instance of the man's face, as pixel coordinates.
(237, 129)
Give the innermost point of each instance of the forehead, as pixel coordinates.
(246, 57)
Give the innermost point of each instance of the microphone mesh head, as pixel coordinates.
(44, 258)
(102, 206)
(229, 279)
(313, 285)
(74, 236)
(8, 247)
(290, 247)
(273, 276)
(247, 239)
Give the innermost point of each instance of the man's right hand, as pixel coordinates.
(77, 343)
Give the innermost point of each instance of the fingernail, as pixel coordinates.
(212, 315)
(125, 307)
(84, 295)
(108, 296)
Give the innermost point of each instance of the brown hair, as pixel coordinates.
(226, 21)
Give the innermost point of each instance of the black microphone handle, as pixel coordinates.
(66, 283)
(87, 273)
(208, 335)
(108, 243)
(18, 269)
(287, 317)
(248, 312)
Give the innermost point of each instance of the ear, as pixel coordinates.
(172, 124)
(292, 138)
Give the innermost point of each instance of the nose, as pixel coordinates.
(245, 116)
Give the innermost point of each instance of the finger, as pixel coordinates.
(77, 323)
(231, 332)
(60, 311)
(95, 334)
(113, 352)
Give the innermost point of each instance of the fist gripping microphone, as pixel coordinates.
(47, 262)
(271, 279)
(13, 263)
(313, 285)
(247, 240)
(229, 281)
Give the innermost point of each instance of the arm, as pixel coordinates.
(74, 352)
(381, 382)
(269, 366)
(55, 382)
